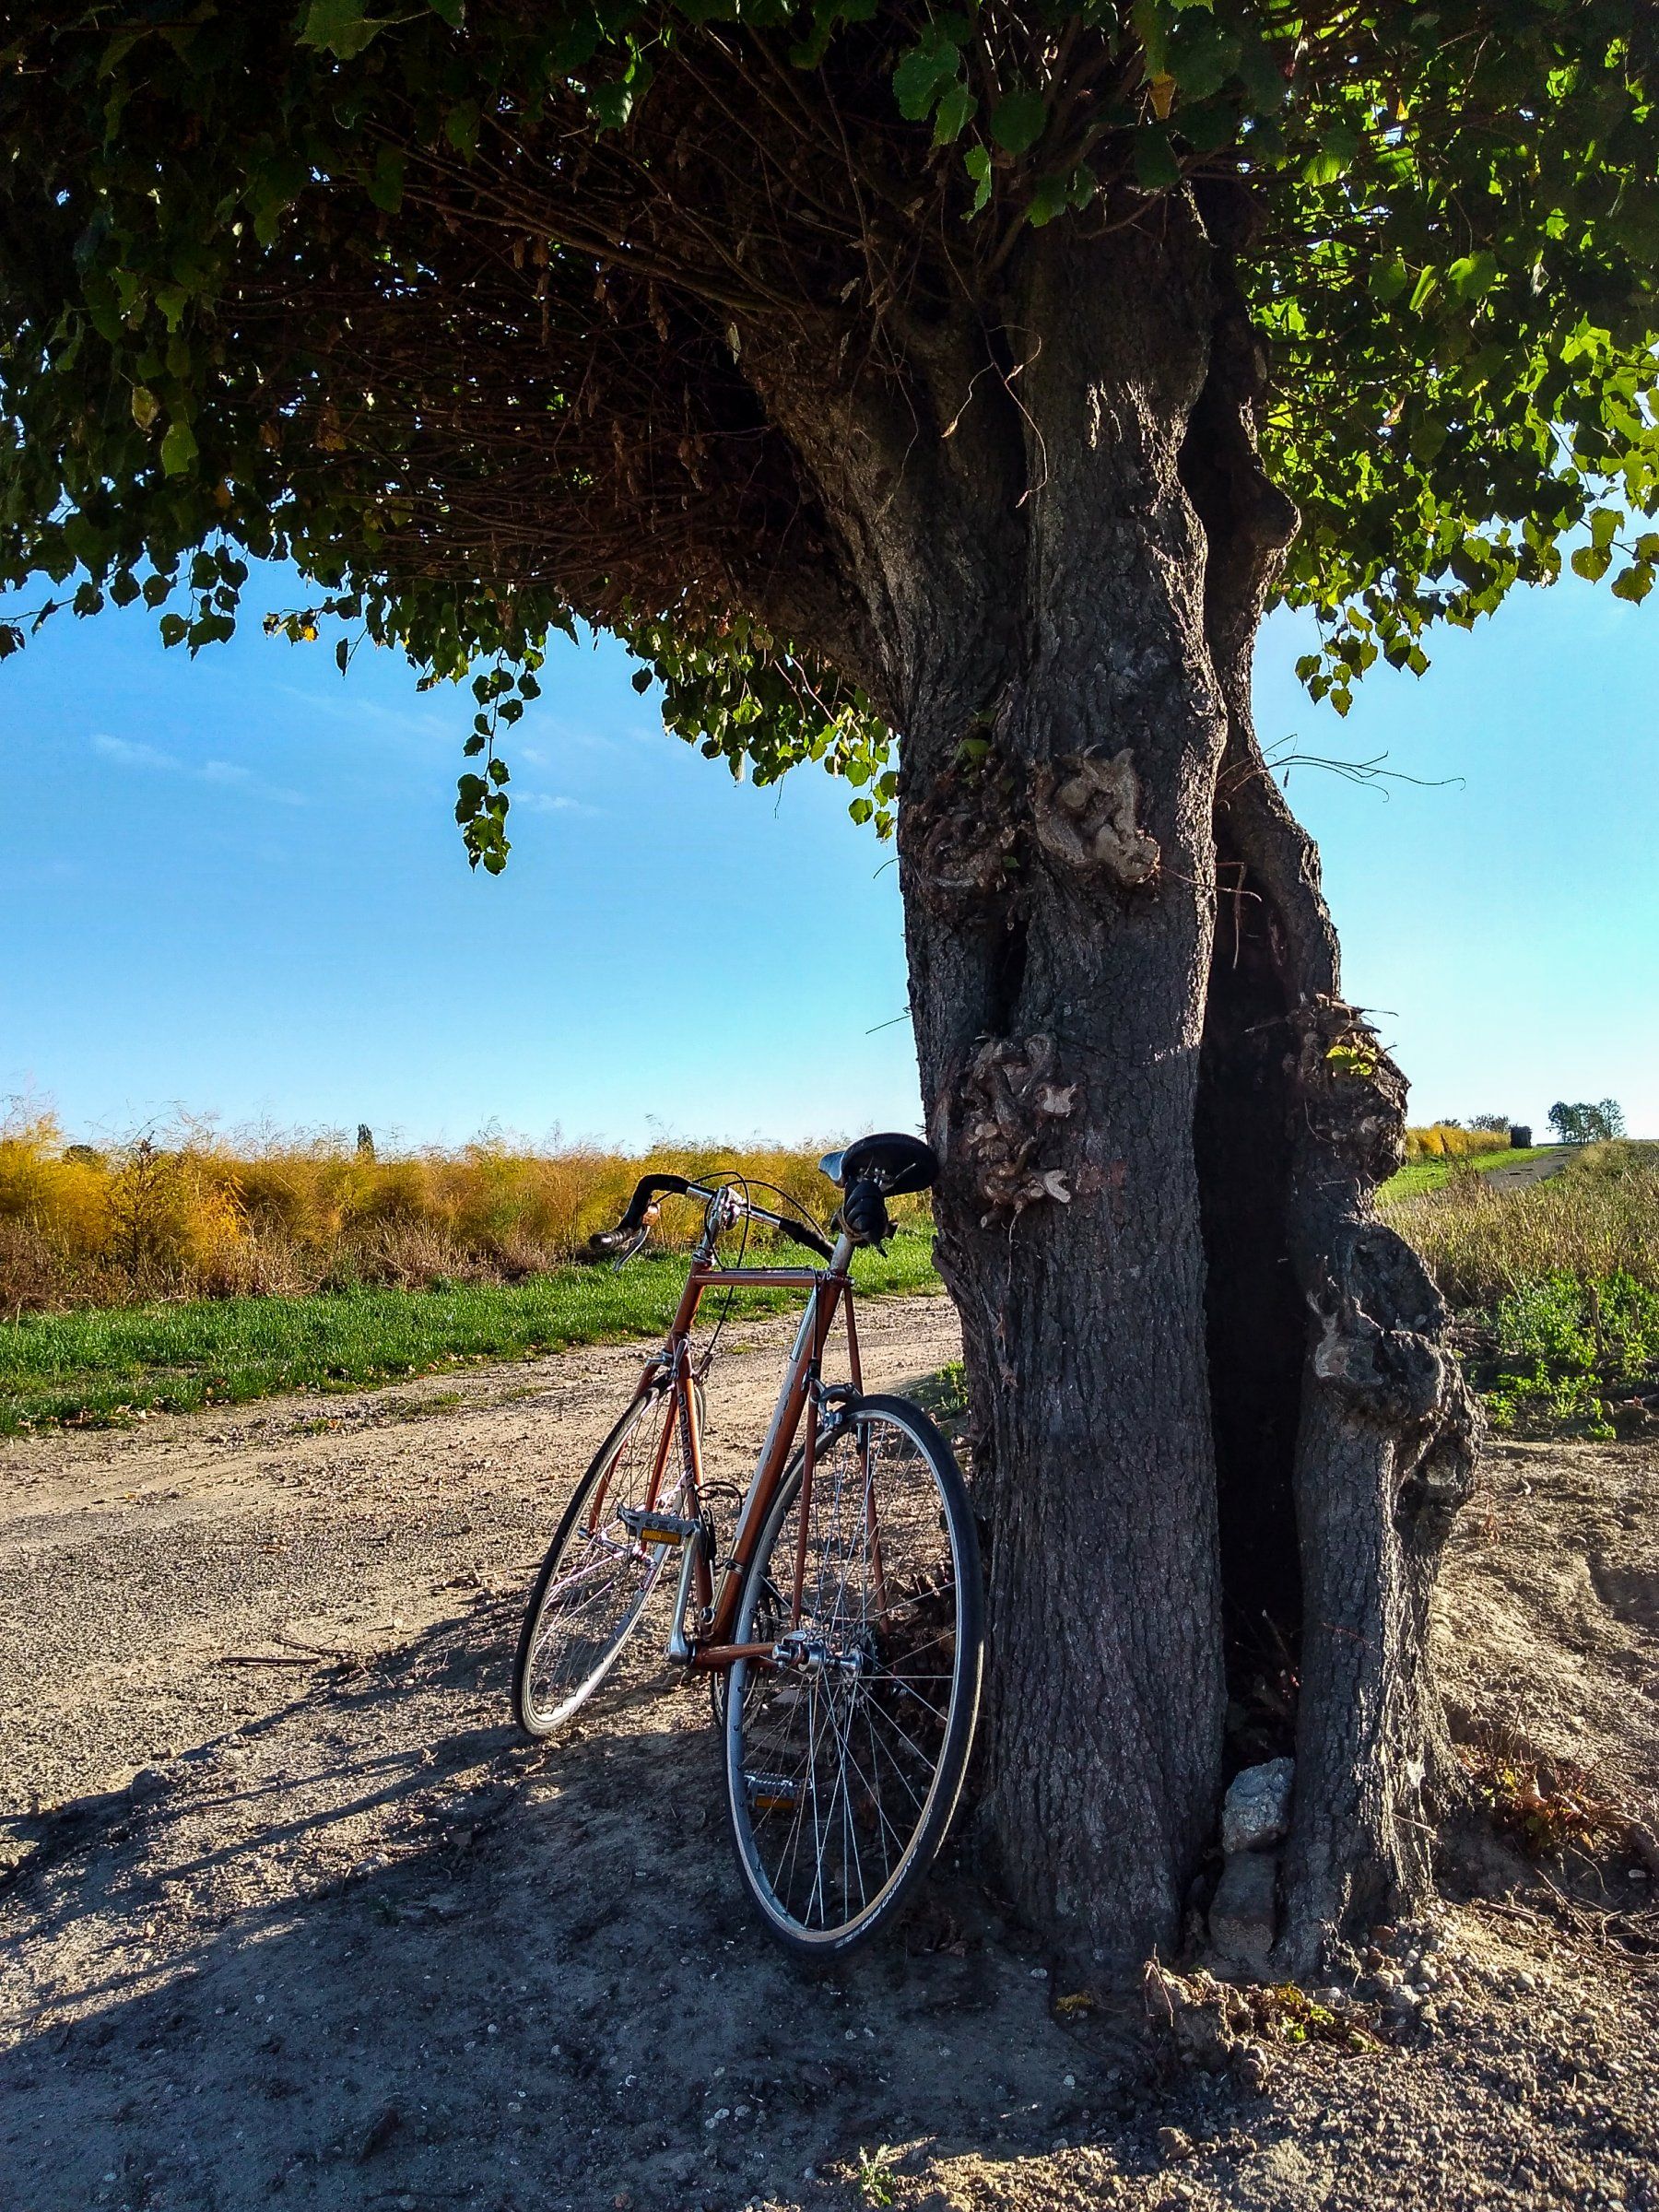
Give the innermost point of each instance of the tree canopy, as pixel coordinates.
(475, 310)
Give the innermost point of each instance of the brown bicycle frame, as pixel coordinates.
(830, 1289)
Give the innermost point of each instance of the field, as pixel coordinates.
(160, 1275)
(185, 1213)
(96, 1364)
(1432, 1171)
(1560, 1281)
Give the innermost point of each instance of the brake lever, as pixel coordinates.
(638, 1243)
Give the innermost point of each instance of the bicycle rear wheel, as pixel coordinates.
(596, 1579)
(845, 1761)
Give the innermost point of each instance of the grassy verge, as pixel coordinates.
(100, 1365)
(1420, 1175)
(1556, 1286)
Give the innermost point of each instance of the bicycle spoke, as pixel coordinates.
(605, 1576)
(838, 1747)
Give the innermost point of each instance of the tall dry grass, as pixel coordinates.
(189, 1214)
(1599, 1218)
(1447, 1140)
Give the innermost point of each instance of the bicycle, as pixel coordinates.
(846, 1620)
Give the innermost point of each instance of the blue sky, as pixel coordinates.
(235, 886)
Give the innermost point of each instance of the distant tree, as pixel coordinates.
(1586, 1124)
(1490, 1121)
(942, 394)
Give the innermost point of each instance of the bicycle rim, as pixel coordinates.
(843, 1770)
(597, 1581)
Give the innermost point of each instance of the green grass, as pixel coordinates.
(97, 1366)
(1422, 1175)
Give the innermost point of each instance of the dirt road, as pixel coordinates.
(290, 1915)
(1525, 1172)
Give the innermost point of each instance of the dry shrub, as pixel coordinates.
(1543, 1804)
(1446, 1140)
(187, 1213)
(1598, 1218)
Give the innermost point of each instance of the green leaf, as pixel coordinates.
(977, 162)
(956, 111)
(612, 104)
(923, 76)
(145, 406)
(178, 449)
(1049, 199)
(175, 630)
(386, 183)
(1635, 583)
(340, 28)
(1155, 166)
(461, 127)
(1202, 59)
(1592, 563)
(1019, 120)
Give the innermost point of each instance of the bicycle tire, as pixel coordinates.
(773, 1775)
(535, 1714)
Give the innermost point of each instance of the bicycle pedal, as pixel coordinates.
(645, 1526)
(773, 1793)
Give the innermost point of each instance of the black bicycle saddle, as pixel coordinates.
(896, 1164)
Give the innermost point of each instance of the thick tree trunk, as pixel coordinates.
(1218, 1442)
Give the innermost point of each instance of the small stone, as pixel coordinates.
(1256, 2066)
(1256, 1809)
(147, 1783)
(1174, 2143)
(1242, 1914)
(381, 2132)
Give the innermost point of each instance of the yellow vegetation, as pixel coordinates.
(188, 1214)
(1445, 1140)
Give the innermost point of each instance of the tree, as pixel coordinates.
(1585, 1123)
(943, 393)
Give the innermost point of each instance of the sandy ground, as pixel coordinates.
(290, 1915)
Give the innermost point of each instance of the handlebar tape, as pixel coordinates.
(645, 1189)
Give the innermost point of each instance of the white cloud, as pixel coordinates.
(125, 754)
(225, 776)
(548, 802)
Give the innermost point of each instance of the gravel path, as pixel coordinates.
(1526, 1171)
(283, 1926)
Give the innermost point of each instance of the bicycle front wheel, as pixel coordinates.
(845, 1759)
(596, 1579)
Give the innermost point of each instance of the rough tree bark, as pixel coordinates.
(1220, 1441)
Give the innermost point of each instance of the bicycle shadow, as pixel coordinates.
(373, 1949)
